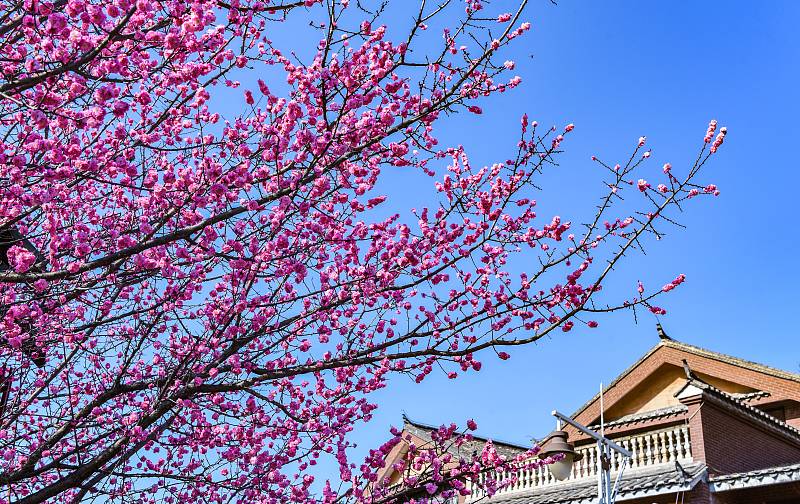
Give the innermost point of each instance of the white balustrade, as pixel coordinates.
(647, 449)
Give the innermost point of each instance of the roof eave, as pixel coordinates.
(695, 387)
(751, 479)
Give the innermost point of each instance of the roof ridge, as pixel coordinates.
(407, 420)
(675, 409)
(746, 396)
(736, 361)
(754, 472)
(430, 427)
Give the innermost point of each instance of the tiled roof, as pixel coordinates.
(643, 417)
(749, 396)
(735, 361)
(742, 406)
(639, 483)
(423, 432)
(746, 364)
(760, 477)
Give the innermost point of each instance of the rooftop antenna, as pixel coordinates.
(602, 422)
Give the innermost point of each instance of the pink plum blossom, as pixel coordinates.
(219, 290)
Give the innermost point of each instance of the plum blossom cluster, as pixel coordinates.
(712, 127)
(679, 280)
(217, 292)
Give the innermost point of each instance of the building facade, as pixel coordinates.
(703, 427)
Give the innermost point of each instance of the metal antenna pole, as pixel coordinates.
(602, 488)
(607, 473)
(602, 421)
(605, 493)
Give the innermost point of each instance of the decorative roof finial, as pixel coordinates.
(661, 333)
(689, 373)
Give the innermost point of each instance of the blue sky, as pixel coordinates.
(620, 70)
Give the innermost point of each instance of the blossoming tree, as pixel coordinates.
(196, 302)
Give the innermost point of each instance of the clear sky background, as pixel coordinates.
(619, 70)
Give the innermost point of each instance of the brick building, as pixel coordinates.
(703, 428)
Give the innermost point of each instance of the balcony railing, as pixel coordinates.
(648, 449)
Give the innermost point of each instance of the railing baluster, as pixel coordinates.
(672, 445)
(688, 443)
(639, 461)
(656, 450)
(663, 452)
(627, 444)
(613, 461)
(585, 462)
(687, 450)
(589, 461)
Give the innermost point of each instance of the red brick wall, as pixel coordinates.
(696, 431)
(728, 442)
(783, 493)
